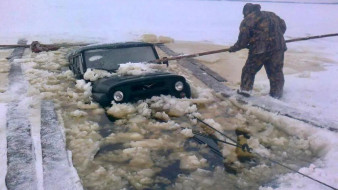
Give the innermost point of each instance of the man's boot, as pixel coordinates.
(244, 93)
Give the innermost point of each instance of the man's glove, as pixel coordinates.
(233, 49)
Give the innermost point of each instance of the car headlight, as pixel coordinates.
(118, 96)
(179, 86)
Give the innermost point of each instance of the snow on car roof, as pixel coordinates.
(111, 45)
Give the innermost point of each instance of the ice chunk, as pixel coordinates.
(143, 109)
(94, 74)
(214, 124)
(161, 116)
(137, 119)
(187, 133)
(257, 147)
(140, 157)
(123, 137)
(78, 113)
(139, 68)
(191, 162)
(121, 110)
(172, 106)
(68, 74)
(149, 143)
(85, 87)
(279, 141)
(98, 111)
(170, 125)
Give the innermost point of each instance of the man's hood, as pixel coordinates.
(249, 8)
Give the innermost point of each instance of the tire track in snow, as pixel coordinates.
(58, 170)
(21, 166)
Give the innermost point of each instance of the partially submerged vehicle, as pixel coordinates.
(121, 89)
(108, 57)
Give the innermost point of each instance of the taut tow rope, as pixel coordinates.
(271, 160)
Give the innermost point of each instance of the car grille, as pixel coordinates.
(136, 97)
(148, 86)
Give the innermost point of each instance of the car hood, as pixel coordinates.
(103, 85)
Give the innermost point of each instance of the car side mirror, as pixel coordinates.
(165, 61)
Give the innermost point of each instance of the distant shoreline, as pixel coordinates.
(271, 1)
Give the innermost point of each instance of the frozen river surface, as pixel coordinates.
(149, 145)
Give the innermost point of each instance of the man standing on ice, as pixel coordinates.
(262, 33)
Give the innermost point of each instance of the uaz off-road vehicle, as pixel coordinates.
(108, 57)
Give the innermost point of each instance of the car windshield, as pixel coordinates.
(110, 59)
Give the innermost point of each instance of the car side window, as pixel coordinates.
(77, 65)
(80, 62)
(71, 64)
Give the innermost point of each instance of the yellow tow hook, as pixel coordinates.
(243, 149)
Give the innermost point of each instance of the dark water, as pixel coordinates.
(171, 169)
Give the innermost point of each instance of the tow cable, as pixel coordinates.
(242, 146)
(245, 147)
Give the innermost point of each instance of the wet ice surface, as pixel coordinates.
(147, 145)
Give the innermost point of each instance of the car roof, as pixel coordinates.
(109, 46)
